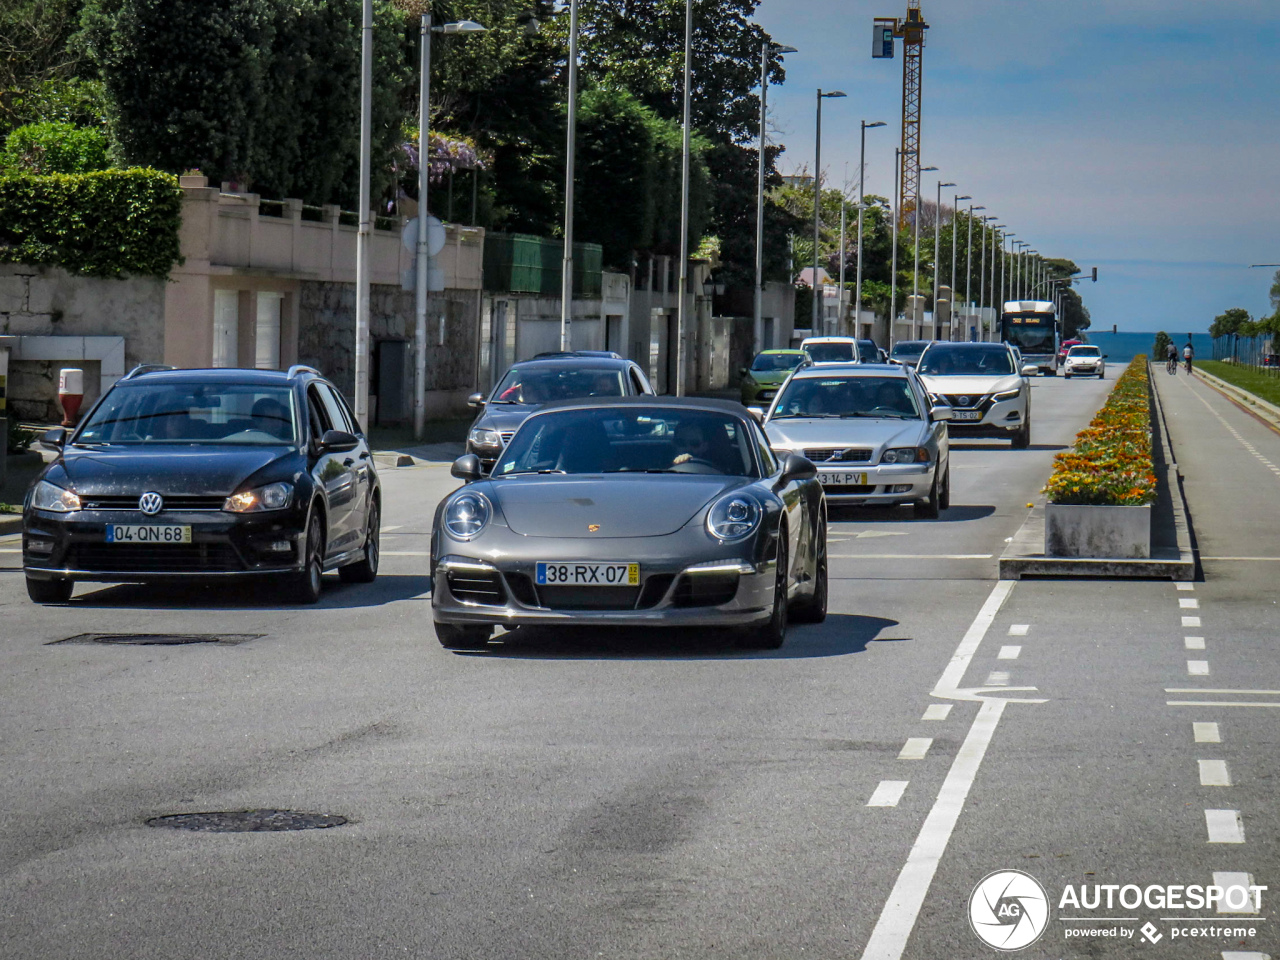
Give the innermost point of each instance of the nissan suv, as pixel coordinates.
(981, 383)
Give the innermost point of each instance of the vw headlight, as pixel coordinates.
(49, 496)
(1009, 394)
(905, 455)
(484, 437)
(274, 496)
(733, 517)
(466, 515)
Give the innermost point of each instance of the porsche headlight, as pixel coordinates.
(906, 455)
(484, 437)
(49, 496)
(466, 515)
(274, 496)
(1008, 394)
(733, 517)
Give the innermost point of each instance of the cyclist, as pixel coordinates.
(1187, 353)
(1171, 358)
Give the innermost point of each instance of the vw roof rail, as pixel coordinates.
(142, 368)
(298, 368)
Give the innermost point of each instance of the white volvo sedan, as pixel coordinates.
(981, 383)
(871, 432)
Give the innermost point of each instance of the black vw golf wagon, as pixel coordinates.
(219, 474)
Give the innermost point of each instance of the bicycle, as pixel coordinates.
(1171, 366)
(1188, 366)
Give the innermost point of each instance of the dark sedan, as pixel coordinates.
(206, 473)
(639, 511)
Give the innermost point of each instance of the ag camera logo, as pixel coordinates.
(1009, 910)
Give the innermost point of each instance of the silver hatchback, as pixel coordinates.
(871, 432)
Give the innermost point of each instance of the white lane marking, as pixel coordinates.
(1218, 703)
(1009, 653)
(936, 711)
(888, 793)
(1019, 629)
(1206, 732)
(997, 678)
(1244, 955)
(955, 671)
(915, 748)
(1270, 559)
(1185, 586)
(893, 929)
(1236, 433)
(1214, 773)
(1191, 621)
(910, 556)
(1224, 826)
(395, 526)
(1195, 643)
(1264, 693)
(1198, 668)
(406, 553)
(1188, 603)
(1226, 880)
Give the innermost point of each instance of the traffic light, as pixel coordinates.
(1095, 274)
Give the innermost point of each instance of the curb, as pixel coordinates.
(1251, 403)
(10, 523)
(1025, 554)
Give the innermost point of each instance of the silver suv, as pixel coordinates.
(988, 394)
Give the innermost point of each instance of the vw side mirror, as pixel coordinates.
(941, 412)
(795, 467)
(466, 468)
(54, 439)
(475, 400)
(1030, 370)
(337, 441)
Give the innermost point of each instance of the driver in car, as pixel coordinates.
(692, 441)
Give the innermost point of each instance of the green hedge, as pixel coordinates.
(103, 224)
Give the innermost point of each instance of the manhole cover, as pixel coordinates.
(247, 821)
(162, 639)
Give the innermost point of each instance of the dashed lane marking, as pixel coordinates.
(916, 748)
(1194, 643)
(888, 793)
(1188, 603)
(1019, 629)
(1225, 881)
(1244, 955)
(1214, 773)
(1198, 668)
(997, 678)
(1206, 733)
(1010, 652)
(1185, 586)
(1191, 621)
(1224, 826)
(1236, 433)
(936, 711)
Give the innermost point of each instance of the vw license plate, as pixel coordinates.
(152, 533)
(578, 573)
(966, 415)
(842, 479)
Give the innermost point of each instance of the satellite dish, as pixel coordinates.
(435, 236)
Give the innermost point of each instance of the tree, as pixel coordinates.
(1161, 348)
(1229, 323)
(44, 148)
(1275, 293)
(33, 54)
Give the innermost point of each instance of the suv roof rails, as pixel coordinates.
(142, 368)
(555, 354)
(298, 368)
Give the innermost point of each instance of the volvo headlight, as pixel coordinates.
(1009, 394)
(733, 517)
(466, 515)
(484, 437)
(905, 455)
(274, 496)
(49, 496)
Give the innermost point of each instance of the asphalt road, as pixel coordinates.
(662, 796)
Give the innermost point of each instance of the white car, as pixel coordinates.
(831, 349)
(981, 382)
(1085, 360)
(870, 430)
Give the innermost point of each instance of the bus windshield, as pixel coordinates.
(1032, 333)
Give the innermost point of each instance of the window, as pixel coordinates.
(193, 413)
(226, 332)
(539, 383)
(638, 385)
(267, 355)
(335, 409)
(875, 398)
(317, 414)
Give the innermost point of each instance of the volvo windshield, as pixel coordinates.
(877, 398)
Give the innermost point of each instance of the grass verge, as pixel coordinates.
(1264, 385)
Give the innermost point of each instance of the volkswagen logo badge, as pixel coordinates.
(151, 504)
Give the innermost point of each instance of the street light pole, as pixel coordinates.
(968, 270)
(982, 270)
(937, 234)
(844, 199)
(757, 334)
(862, 194)
(571, 141)
(681, 319)
(995, 306)
(818, 291)
(915, 257)
(893, 229)
(955, 210)
(360, 365)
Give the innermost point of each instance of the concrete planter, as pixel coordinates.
(1073, 530)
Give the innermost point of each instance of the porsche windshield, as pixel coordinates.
(539, 383)
(205, 413)
(883, 398)
(630, 440)
(966, 360)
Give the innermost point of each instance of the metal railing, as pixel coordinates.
(1258, 353)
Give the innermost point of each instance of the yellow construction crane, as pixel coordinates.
(911, 32)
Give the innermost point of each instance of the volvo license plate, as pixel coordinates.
(966, 415)
(584, 573)
(842, 479)
(148, 533)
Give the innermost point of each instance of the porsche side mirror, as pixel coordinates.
(1030, 370)
(795, 467)
(54, 439)
(758, 413)
(337, 441)
(475, 400)
(466, 468)
(941, 412)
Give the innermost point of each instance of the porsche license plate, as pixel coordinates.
(150, 533)
(584, 573)
(966, 415)
(842, 479)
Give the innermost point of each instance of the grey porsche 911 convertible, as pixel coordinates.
(639, 511)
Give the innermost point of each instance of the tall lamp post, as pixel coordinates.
(758, 327)
(571, 139)
(995, 296)
(893, 267)
(982, 270)
(1004, 268)
(937, 235)
(955, 210)
(915, 257)
(817, 204)
(360, 366)
(844, 200)
(862, 193)
(1017, 269)
(681, 319)
(968, 268)
(423, 253)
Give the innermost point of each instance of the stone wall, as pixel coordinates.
(49, 302)
(327, 334)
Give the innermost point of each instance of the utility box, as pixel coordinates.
(882, 39)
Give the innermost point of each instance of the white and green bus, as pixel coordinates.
(1032, 327)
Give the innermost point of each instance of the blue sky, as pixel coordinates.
(1140, 137)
